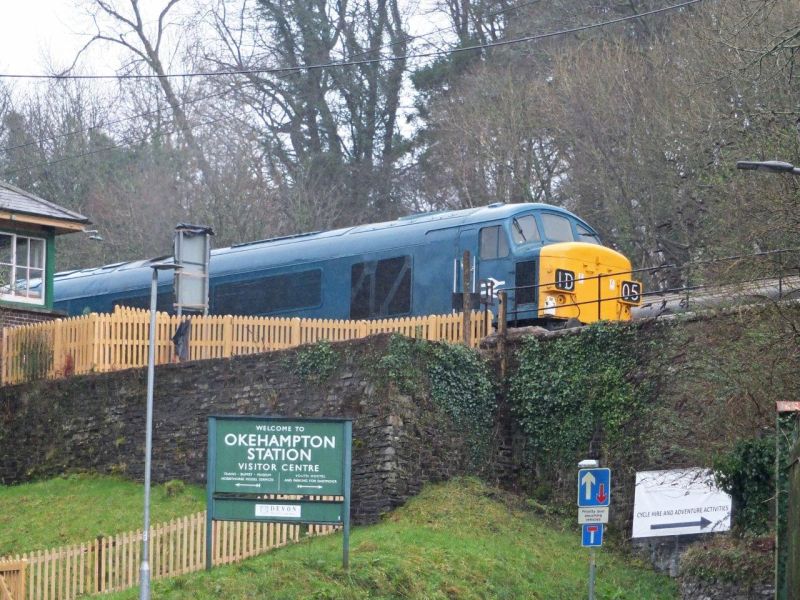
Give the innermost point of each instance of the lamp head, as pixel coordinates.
(774, 166)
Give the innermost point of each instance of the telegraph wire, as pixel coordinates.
(290, 70)
(351, 63)
(412, 38)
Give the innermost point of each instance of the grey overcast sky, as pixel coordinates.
(35, 34)
(38, 33)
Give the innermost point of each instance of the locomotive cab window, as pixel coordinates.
(524, 230)
(493, 242)
(557, 228)
(584, 235)
(380, 288)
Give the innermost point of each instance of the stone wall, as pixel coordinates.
(707, 380)
(692, 589)
(96, 422)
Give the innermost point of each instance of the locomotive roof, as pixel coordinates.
(297, 249)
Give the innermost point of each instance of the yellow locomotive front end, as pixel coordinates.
(586, 282)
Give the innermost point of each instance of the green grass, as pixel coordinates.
(456, 540)
(78, 508)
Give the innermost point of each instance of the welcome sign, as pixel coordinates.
(279, 457)
(279, 470)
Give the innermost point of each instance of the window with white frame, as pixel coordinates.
(22, 268)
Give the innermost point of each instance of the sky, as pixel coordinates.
(38, 33)
(34, 33)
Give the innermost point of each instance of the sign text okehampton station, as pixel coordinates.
(279, 448)
(279, 457)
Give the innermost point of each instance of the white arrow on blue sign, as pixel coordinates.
(594, 487)
(592, 535)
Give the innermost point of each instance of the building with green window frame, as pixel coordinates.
(28, 229)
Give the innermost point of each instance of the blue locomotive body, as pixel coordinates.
(407, 267)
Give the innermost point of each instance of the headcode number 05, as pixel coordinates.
(631, 292)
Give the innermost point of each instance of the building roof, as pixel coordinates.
(24, 207)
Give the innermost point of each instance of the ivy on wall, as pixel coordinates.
(316, 362)
(573, 390)
(457, 379)
(747, 473)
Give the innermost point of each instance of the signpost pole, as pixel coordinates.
(348, 444)
(594, 498)
(211, 475)
(144, 568)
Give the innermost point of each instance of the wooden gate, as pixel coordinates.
(787, 501)
(12, 580)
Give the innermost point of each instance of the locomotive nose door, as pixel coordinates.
(491, 260)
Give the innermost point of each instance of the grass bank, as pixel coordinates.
(456, 540)
(78, 508)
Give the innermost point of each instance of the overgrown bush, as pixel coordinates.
(316, 362)
(747, 473)
(727, 560)
(573, 390)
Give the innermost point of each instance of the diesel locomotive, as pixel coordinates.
(551, 264)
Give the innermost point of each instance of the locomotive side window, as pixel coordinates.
(494, 243)
(361, 289)
(524, 230)
(380, 288)
(557, 228)
(164, 302)
(269, 294)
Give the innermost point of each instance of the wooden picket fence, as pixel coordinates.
(112, 563)
(110, 342)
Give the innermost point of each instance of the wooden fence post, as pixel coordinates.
(296, 334)
(94, 320)
(227, 336)
(502, 328)
(6, 354)
(57, 367)
(98, 561)
(466, 307)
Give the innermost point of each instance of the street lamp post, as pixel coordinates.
(144, 570)
(781, 473)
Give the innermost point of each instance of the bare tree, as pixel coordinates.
(490, 142)
(120, 22)
(332, 132)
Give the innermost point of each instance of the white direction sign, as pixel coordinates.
(592, 514)
(679, 502)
